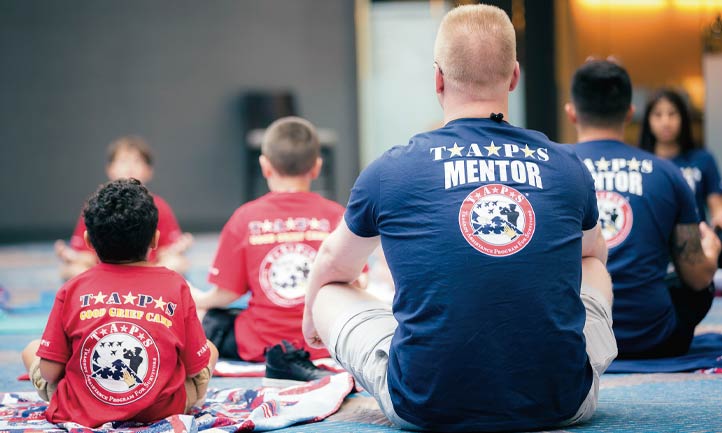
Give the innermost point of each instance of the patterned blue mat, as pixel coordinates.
(628, 402)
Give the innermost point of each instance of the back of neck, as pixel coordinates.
(129, 263)
(461, 107)
(595, 134)
(289, 184)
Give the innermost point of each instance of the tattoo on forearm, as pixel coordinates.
(686, 245)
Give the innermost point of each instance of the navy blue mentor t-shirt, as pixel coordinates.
(700, 171)
(481, 224)
(641, 198)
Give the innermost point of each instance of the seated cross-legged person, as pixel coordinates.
(648, 214)
(502, 314)
(267, 247)
(123, 341)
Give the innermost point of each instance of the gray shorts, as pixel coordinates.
(360, 340)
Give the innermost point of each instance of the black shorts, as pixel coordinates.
(690, 307)
(219, 326)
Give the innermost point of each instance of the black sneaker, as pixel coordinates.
(287, 365)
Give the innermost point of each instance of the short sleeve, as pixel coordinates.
(710, 176)
(591, 212)
(54, 344)
(168, 226)
(229, 266)
(196, 352)
(361, 214)
(686, 205)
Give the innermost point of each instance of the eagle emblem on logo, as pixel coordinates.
(615, 217)
(120, 362)
(283, 273)
(497, 220)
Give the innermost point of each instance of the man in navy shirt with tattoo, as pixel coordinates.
(502, 314)
(647, 214)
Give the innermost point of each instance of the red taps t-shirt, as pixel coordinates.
(267, 247)
(128, 336)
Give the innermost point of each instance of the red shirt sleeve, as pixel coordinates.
(77, 242)
(168, 226)
(196, 353)
(54, 344)
(229, 266)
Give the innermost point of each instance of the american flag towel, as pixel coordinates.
(225, 410)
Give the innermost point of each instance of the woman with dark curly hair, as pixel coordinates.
(667, 132)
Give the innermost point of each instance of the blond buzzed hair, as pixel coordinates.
(291, 146)
(476, 46)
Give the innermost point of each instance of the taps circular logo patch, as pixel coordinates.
(284, 273)
(120, 362)
(615, 217)
(497, 220)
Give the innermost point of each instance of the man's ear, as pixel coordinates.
(86, 238)
(515, 77)
(266, 167)
(439, 80)
(316, 170)
(630, 113)
(571, 112)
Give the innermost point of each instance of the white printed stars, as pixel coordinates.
(492, 149)
(528, 153)
(129, 298)
(100, 297)
(159, 303)
(456, 150)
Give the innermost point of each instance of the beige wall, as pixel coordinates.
(659, 42)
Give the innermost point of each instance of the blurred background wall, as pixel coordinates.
(661, 43)
(77, 74)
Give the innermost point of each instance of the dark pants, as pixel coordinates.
(690, 307)
(219, 326)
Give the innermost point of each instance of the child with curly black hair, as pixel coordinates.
(123, 341)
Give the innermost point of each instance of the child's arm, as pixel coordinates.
(52, 371)
(200, 355)
(171, 256)
(74, 262)
(214, 298)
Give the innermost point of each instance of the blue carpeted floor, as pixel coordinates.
(628, 403)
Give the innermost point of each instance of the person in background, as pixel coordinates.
(267, 247)
(129, 157)
(648, 214)
(123, 341)
(667, 133)
(501, 319)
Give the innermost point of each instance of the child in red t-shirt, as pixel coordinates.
(267, 247)
(123, 341)
(129, 157)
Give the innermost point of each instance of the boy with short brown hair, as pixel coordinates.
(267, 248)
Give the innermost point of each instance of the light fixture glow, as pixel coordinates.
(645, 5)
(698, 5)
